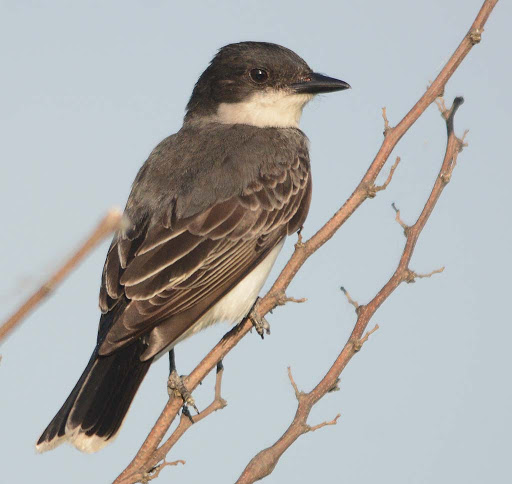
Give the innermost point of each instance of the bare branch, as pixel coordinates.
(294, 385)
(263, 463)
(359, 344)
(350, 300)
(387, 127)
(186, 421)
(334, 421)
(415, 275)
(155, 472)
(284, 299)
(106, 226)
(399, 219)
(378, 188)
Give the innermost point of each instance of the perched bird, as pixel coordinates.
(208, 214)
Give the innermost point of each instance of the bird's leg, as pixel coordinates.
(260, 323)
(176, 386)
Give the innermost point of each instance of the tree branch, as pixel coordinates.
(106, 226)
(187, 420)
(303, 250)
(265, 461)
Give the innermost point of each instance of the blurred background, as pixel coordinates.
(89, 88)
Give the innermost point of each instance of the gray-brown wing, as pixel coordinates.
(177, 269)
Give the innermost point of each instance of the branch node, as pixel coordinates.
(335, 387)
(47, 288)
(334, 421)
(387, 128)
(411, 276)
(445, 112)
(461, 141)
(400, 221)
(475, 35)
(358, 344)
(445, 177)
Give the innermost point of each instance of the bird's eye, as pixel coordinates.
(259, 75)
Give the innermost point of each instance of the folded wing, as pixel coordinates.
(173, 270)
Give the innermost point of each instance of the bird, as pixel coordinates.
(206, 217)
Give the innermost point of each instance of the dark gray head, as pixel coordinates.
(257, 83)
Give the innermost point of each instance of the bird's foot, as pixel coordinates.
(259, 322)
(176, 387)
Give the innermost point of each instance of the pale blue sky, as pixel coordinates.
(89, 88)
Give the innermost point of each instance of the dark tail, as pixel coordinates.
(94, 411)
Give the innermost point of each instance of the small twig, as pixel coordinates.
(359, 344)
(283, 299)
(399, 219)
(334, 421)
(378, 188)
(350, 300)
(155, 472)
(298, 393)
(442, 107)
(387, 127)
(186, 421)
(414, 275)
(107, 225)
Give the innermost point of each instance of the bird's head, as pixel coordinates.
(259, 84)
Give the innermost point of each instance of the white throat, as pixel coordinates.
(275, 108)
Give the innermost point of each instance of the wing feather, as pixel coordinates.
(176, 268)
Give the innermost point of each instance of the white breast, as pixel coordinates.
(235, 305)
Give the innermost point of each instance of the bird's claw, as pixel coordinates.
(259, 322)
(176, 387)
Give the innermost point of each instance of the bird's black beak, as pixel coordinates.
(318, 83)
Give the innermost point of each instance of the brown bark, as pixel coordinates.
(106, 226)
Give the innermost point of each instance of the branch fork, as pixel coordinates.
(387, 128)
(334, 421)
(351, 301)
(155, 471)
(398, 218)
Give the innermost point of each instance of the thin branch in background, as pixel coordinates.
(106, 226)
(146, 456)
